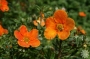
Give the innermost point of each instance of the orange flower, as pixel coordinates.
(80, 30)
(3, 31)
(82, 14)
(3, 5)
(40, 20)
(59, 25)
(27, 38)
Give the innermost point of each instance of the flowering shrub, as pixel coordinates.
(40, 29)
(3, 5)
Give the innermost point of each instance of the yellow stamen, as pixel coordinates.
(60, 27)
(26, 39)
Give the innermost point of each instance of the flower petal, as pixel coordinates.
(50, 22)
(23, 30)
(3, 2)
(50, 33)
(1, 30)
(5, 31)
(18, 35)
(35, 43)
(23, 44)
(5, 8)
(60, 16)
(4, 5)
(63, 35)
(83, 31)
(70, 24)
(33, 33)
(82, 14)
(42, 23)
(35, 23)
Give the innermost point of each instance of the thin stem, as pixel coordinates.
(60, 48)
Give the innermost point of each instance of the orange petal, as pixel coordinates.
(50, 22)
(1, 33)
(5, 8)
(1, 30)
(35, 43)
(63, 35)
(42, 23)
(23, 30)
(23, 44)
(50, 33)
(82, 14)
(18, 35)
(5, 31)
(33, 33)
(3, 2)
(35, 23)
(60, 16)
(4, 5)
(70, 24)
(83, 31)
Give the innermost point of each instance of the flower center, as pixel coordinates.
(60, 27)
(26, 39)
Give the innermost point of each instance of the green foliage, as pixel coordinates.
(25, 11)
